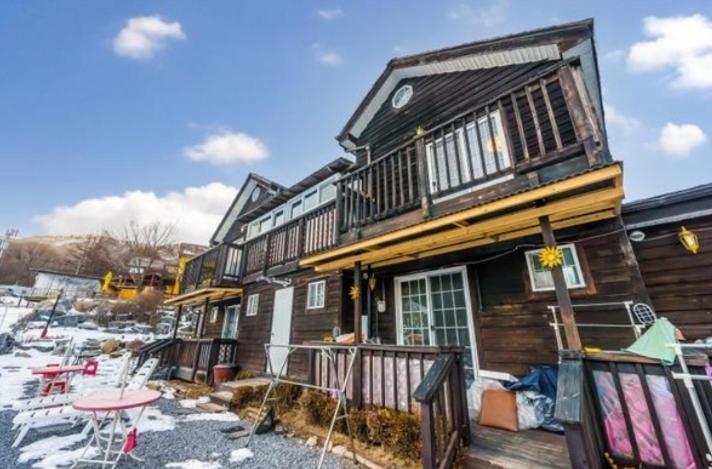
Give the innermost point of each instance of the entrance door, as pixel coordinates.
(434, 309)
(281, 326)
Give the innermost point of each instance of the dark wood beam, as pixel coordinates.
(179, 313)
(573, 339)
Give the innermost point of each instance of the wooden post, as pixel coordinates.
(641, 291)
(179, 313)
(562, 292)
(575, 105)
(358, 307)
(423, 182)
(206, 312)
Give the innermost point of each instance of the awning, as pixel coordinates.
(199, 297)
(585, 198)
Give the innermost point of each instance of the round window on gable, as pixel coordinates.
(255, 194)
(402, 96)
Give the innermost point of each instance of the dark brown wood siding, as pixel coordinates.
(214, 329)
(679, 282)
(307, 325)
(437, 98)
(512, 321)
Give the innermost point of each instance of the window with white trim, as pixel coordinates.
(540, 276)
(253, 302)
(315, 294)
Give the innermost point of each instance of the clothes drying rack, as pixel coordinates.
(341, 411)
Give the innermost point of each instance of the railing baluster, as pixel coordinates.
(550, 112)
(394, 192)
(520, 127)
(435, 186)
(400, 178)
(483, 161)
(409, 164)
(535, 119)
(453, 131)
(653, 414)
(493, 141)
(446, 159)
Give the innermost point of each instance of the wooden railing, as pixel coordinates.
(310, 233)
(384, 375)
(544, 121)
(191, 356)
(444, 421)
(220, 266)
(630, 411)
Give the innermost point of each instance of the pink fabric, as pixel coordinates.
(643, 428)
(111, 400)
(673, 430)
(616, 432)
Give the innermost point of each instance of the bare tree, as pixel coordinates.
(93, 256)
(143, 245)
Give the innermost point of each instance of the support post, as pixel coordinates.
(358, 311)
(573, 340)
(179, 313)
(205, 317)
(423, 181)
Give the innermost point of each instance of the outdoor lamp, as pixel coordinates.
(689, 240)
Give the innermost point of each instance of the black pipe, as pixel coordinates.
(51, 315)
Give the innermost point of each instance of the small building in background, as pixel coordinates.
(49, 283)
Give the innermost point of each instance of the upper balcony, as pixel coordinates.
(500, 147)
(217, 267)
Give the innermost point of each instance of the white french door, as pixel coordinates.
(433, 308)
(281, 327)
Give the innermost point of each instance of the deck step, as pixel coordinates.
(531, 449)
(222, 398)
(211, 407)
(230, 386)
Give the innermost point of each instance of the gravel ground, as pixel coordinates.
(193, 440)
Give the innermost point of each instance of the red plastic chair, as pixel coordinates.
(59, 386)
(90, 367)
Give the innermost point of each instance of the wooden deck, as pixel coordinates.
(532, 449)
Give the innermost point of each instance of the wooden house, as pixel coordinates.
(467, 161)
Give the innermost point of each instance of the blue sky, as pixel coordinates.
(104, 118)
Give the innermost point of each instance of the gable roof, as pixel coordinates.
(335, 166)
(531, 46)
(672, 207)
(252, 180)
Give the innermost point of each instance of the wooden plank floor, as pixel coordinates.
(532, 449)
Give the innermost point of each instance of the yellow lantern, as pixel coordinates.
(551, 256)
(372, 283)
(689, 240)
(419, 131)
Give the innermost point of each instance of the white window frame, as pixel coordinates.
(313, 293)
(253, 305)
(529, 255)
(287, 208)
(214, 313)
(468, 304)
(231, 334)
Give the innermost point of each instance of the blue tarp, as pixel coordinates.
(540, 379)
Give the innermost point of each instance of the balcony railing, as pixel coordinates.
(539, 123)
(218, 267)
(306, 235)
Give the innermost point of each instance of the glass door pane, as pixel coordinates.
(414, 308)
(449, 312)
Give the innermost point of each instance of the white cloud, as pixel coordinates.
(326, 56)
(620, 121)
(195, 212)
(331, 14)
(682, 43)
(488, 16)
(228, 148)
(144, 36)
(678, 141)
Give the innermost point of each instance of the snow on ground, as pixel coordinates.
(10, 314)
(216, 417)
(195, 464)
(240, 455)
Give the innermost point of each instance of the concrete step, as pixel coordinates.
(211, 407)
(222, 398)
(232, 385)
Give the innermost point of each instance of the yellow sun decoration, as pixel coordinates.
(551, 256)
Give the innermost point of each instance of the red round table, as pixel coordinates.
(112, 404)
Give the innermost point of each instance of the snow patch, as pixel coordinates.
(217, 417)
(64, 458)
(42, 448)
(188, 403)
(240, 455)
(195, 464)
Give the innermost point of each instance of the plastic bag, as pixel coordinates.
(474, 395)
